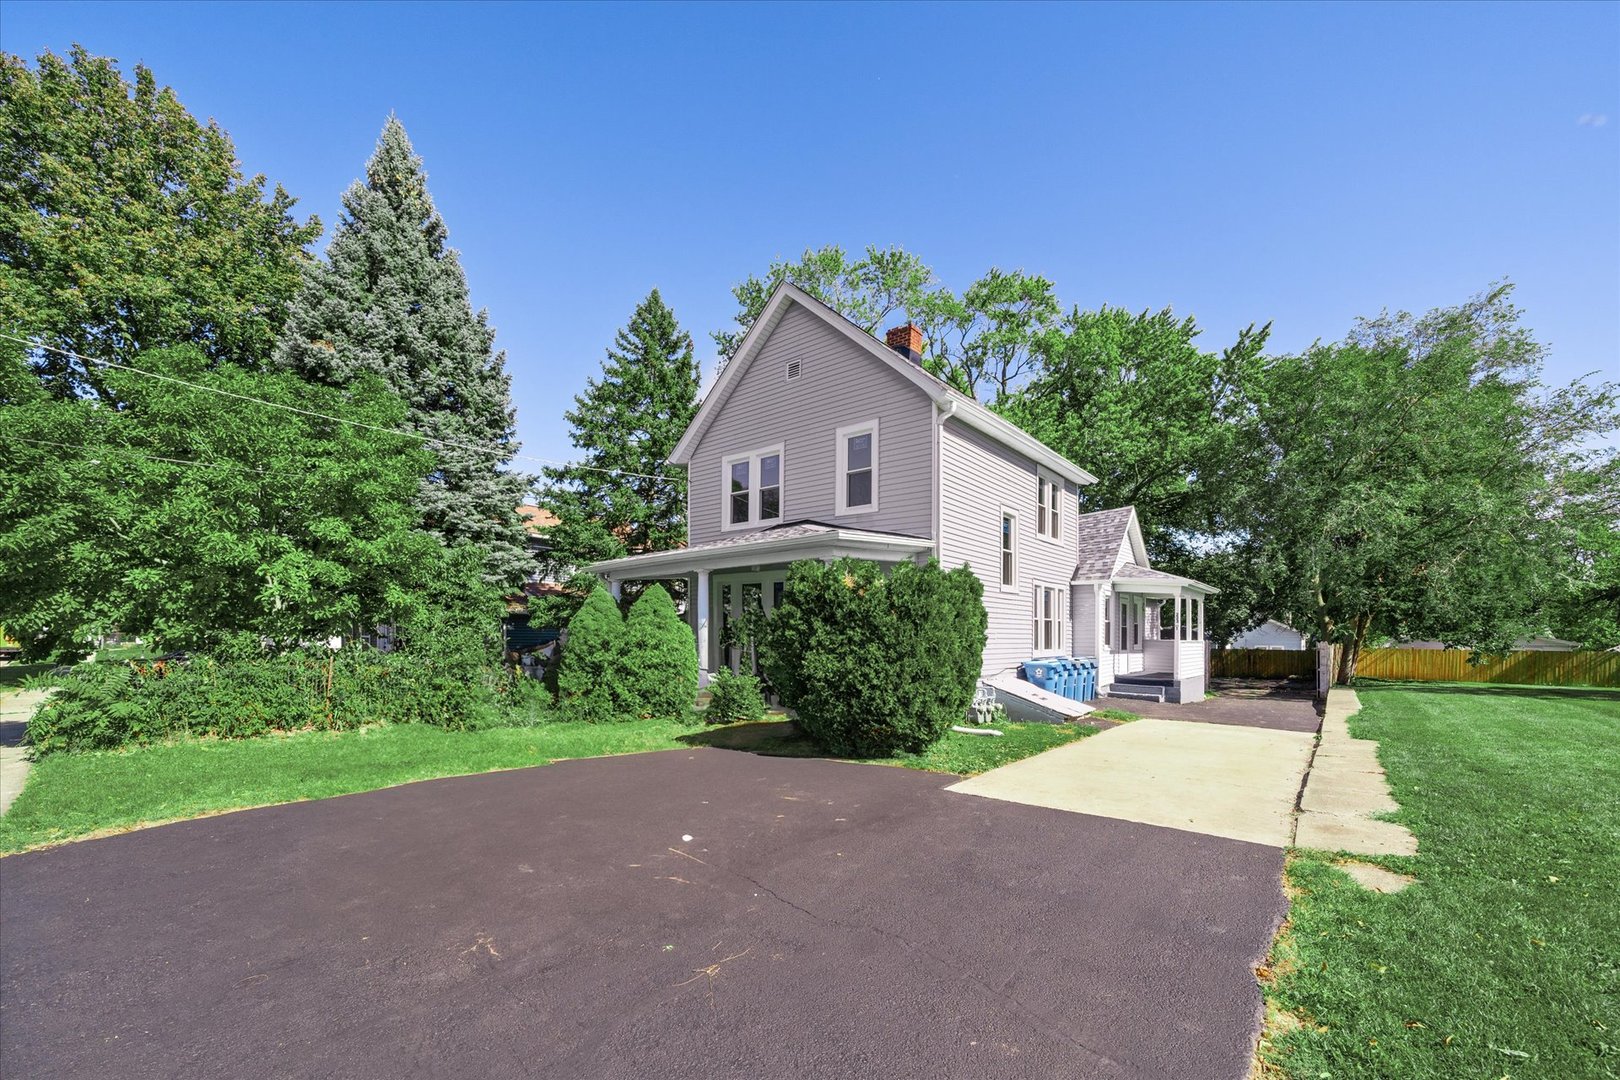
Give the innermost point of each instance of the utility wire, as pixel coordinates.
(93, 450)
(499, 454)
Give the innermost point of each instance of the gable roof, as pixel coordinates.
(945, 397)
(1100, 535)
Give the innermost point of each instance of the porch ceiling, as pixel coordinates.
(779, 544)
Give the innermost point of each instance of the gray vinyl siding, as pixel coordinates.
(839, 385)
(1087, 627)
(978, 479)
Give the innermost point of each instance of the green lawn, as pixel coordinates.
(1503, 960)
(68, 796)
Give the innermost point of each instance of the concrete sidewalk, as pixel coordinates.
(16, 706)
(1235, 782)
(1346, 788)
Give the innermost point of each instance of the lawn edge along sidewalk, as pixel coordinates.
(1345, 788)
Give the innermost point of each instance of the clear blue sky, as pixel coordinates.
(1238, 163)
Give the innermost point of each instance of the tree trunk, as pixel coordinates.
(1352, 650)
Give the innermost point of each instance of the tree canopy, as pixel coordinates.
(194, 516)
(127, 225)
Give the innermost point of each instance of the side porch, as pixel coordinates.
(1150, 634)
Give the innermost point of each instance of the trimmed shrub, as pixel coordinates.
(872, 664)
(593, 662)
(661, 672)
(733, 697)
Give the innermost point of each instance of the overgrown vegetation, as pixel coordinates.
(1501, 959)
(875, 664)
(109, 704)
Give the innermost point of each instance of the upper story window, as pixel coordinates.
(753, 488)
(1009, 551)
(1048, 497)
(857, 468)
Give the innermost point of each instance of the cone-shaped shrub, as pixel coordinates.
(875, 664)
(661, 674)
(593, 661)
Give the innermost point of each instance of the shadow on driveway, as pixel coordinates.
(688, 913)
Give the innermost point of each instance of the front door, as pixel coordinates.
(734, 597)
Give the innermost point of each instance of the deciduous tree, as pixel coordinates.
(126, 225)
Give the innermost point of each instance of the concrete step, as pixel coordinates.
(1137, 693)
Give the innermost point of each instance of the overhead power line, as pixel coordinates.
(93, 450)
(496, 452)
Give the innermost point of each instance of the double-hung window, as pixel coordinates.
(753, 488)
(858, 468)
(1048, 619)
(1048, 499)
(1009, 551)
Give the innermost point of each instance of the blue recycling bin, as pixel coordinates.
(1088, 678)
(1071, 679)
(1043, 673)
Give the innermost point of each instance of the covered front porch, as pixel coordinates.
(726, 580)
(1152, 643)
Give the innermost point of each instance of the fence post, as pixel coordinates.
(1324, 669)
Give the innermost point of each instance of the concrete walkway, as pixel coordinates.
(1346, 787)
(1235, 782)
(15, 708)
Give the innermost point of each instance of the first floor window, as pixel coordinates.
(1048, 618)
(1108, 622)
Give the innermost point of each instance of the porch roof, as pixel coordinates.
(779, 543)
(1141, 579)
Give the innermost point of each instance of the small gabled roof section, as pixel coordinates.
(945, 397)
(1101, 536)
(1105, 535)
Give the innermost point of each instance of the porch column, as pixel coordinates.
(701, 621)
(616, 587)
(1175, 640)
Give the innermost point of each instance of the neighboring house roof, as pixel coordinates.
(535, 518)
(786, 542)
(946, 397)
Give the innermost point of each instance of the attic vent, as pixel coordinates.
(793, 370)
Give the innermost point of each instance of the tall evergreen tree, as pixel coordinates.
(622, 496)
(391, 299)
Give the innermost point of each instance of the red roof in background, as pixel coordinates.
(536, 519)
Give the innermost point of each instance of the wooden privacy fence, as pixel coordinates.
(1529, 667)
(1262, 663)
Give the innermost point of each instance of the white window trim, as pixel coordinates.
(753, 458)
(841, 488)
(1007, 587)
(1060, 615)
(1054, 511)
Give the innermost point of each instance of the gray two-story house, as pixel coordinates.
(820, 441)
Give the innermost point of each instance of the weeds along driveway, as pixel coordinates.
(680, 914)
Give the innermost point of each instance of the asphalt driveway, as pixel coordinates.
(702, 913)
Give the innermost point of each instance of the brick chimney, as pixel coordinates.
(906, 340)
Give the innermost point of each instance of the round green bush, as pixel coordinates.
(733, 697)
(873, 664)
(593, 662)
(661, 673)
